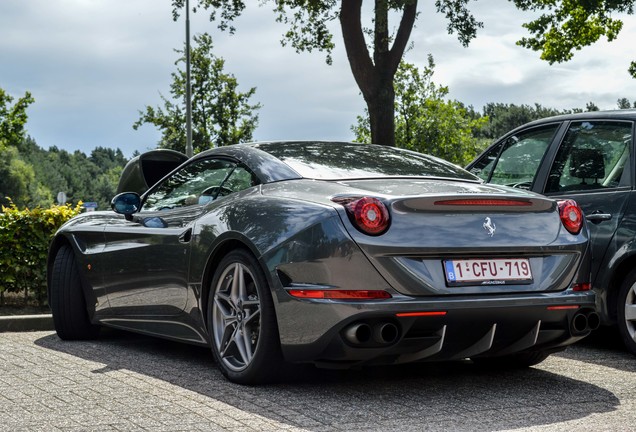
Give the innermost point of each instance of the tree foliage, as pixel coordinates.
(623, 103)
(31, 176)
(374, 61)
(426, 121)
(17, 178)
(503, 117)
(374, 52)
(221, 115)
(13, 118)
(91, 178)
(565, 26)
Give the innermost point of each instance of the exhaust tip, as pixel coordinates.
(579, 323)
(373, 334)
(385, 333)
(358, 333)
(593, 321)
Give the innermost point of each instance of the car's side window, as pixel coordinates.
(515, 161)
(197, 183)
(593, 155)
(240, 179)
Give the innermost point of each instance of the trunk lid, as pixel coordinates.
(484, 231)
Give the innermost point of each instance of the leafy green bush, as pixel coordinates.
(24, 242)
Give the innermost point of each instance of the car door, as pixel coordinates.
(586, 160)
(517, 159)
(148, 257)
(592, 166)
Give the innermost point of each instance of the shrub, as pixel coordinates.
(24, 243)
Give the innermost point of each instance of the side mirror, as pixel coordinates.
(126, 203)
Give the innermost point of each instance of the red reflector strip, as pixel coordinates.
(582, 286)
(563, 307)
(340, 294)
(420, 314)
(484, 202)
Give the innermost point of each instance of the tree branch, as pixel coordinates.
(355, 45)
(402, 36)
(381, 33)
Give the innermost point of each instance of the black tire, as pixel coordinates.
(242, 321)
(513, 361)
(68, 305)
(626, 312)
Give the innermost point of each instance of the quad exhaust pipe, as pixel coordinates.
(358, 334)
(584, 322)
(385, 333)
(378, 334)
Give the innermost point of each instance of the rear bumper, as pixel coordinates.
(339, 334)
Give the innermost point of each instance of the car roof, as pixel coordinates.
(336, 160)
(625, 114)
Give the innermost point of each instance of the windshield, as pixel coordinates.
(334, 161)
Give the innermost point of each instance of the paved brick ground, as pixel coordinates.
(125, 382)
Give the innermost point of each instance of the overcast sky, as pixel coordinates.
(91, 65)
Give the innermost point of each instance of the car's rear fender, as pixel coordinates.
(226, 244)
(296, 242)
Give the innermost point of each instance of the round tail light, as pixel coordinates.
(367, 214)
(571, 216)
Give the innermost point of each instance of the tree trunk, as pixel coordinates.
(382, 115)
(375, 77)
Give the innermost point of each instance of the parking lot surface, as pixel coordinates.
(127, 382)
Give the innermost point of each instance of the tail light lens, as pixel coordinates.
(340, 294)
(582, 286)
(367, 214)
(571, 216)
(485, 202)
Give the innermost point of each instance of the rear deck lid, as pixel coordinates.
(494, 239)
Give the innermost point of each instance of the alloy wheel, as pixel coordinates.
(236, 315)
(630, 312)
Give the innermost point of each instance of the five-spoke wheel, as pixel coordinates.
(242, 322)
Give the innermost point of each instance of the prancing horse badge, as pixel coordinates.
(489, 226)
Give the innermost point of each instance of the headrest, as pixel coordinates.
(587, 163)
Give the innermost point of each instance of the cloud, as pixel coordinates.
(92, 64)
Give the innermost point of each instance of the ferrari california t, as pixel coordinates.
(335, 254)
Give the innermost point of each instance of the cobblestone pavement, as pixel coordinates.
(126, 382)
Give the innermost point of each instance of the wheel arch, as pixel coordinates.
(225, 245)
(56, 244)
(67, 239)
(626, 265)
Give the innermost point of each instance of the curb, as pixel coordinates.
(24, 323)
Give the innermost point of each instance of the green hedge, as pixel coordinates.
(25, 236)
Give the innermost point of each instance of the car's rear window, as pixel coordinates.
(333, 161)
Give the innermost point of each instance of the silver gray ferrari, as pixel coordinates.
(330, 253)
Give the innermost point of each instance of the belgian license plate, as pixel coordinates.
(500, 271)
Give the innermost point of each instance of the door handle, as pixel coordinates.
(598, 217)
(185, 236)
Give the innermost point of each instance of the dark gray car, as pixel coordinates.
(336, 254)
(588, 157)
